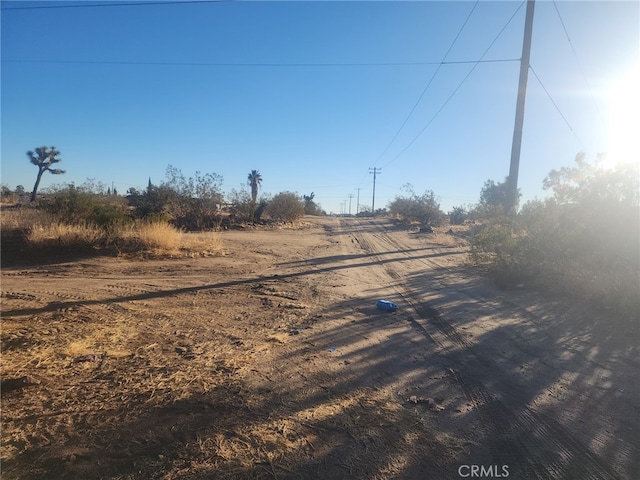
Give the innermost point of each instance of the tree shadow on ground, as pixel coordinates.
(16, 252)
(417, 399)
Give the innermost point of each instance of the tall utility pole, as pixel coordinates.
(358, 202)
(375, 171)
(522, 90)
(350, 197)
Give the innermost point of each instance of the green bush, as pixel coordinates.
(75, 206)
(457, 216)
(311, 207)
(583, 241)
(188, 203)
(242, 205)
(417, 208)
(285, 207)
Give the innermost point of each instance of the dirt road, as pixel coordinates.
(273, 362)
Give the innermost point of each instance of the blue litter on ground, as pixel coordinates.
(386, 306)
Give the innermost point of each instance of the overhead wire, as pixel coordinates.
(439, 65)
(556, 106)
(575, 55)
(255, 64)
(114, 4)
(415, 105)
(457, 87)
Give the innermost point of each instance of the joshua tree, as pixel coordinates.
(255, 179)
(43, 159)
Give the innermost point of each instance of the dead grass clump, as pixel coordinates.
(37, 229)
(158, 235)
(161, 238)
(22, 218)
(447, 238)
(205, 244)
(61, 234)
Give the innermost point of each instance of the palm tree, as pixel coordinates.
(43, 159)
(255, 179)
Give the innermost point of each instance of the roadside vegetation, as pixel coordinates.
(423, 209)
(583, 241)
(92, 217)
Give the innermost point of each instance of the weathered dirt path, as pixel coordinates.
(273, 362)
(547, 390)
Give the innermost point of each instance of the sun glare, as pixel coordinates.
(624, 120)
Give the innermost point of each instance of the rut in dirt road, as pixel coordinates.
(533, 445)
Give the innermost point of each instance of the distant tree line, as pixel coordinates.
(188, 202)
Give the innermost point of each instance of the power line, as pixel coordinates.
(457, 88)
(115, 4)
(556, 105)
(258, 64)
(575, 55)
(428, 83)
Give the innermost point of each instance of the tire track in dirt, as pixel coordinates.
(35, 295)
(129, 289)
(533, 445)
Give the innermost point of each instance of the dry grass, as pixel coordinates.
(446, 236)
(64, 235)
(158, 235)
(161, 238)
(20, 218)
(206, 244)
(42, 230)
(147, 236)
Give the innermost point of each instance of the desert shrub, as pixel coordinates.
(365, 211)
(591, 252)
(285, 207)
(153, 203)
(8, 196)
(494, 200)
(260, 209)
(73, 205)
(457, 215)
(417, 208)
(496, 242)
(189, 203)
(194, 205)
(311, 207)
(582, 241)
(242, 207)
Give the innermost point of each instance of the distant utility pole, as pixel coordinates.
(522, 90)
(358, 202)
(375, 172)
(350, 197)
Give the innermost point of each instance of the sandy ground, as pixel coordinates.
(272, 361)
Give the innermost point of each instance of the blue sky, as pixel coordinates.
(312, 94)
